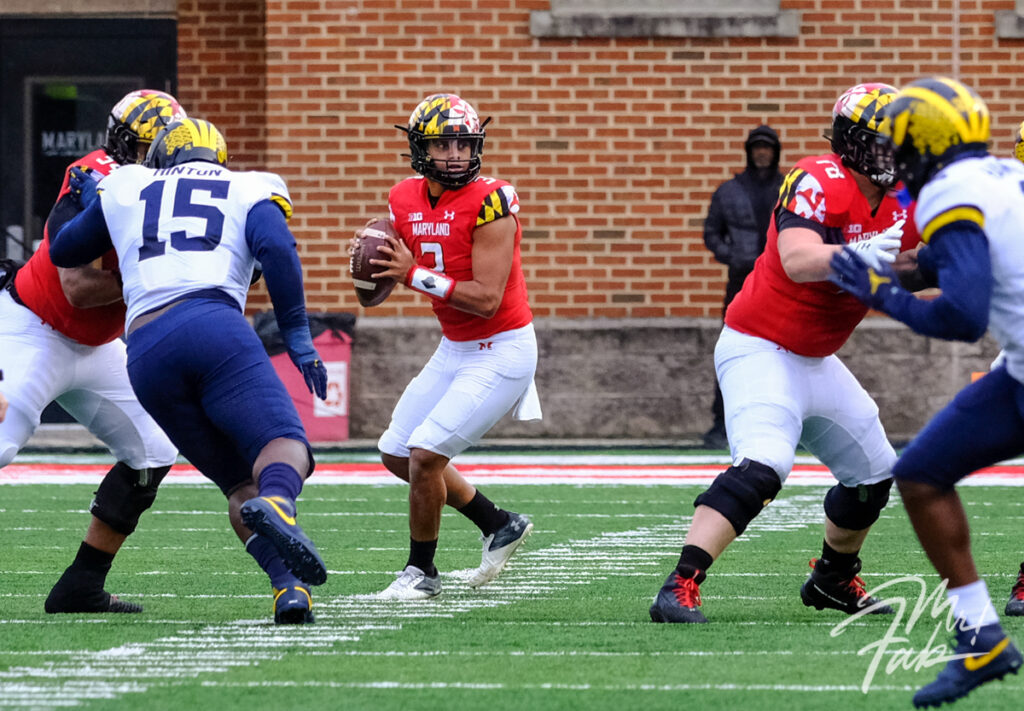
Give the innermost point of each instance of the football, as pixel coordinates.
(370, 291)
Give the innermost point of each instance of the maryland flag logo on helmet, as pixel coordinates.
(188, 140)
(135, 121)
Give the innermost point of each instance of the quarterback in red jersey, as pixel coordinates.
(781, 380)
(61, 327)
(459, 245)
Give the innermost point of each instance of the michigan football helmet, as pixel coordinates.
(855, 119)
(135, 120)
(187, 140)
(1018, 143)
(931, 123)
(445, 116)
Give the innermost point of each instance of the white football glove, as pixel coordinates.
(880, 248)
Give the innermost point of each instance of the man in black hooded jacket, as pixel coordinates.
(735, 230)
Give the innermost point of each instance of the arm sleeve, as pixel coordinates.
(63, 212)
(716, 230)
(82, 239)
(273, 245)
(961, 258)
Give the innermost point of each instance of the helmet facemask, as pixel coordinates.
(857, 146)
(438, 170)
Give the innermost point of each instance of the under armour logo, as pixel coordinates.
(449, 214)
(429, 283)
(486, 345)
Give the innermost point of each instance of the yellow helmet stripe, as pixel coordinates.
(959, 213)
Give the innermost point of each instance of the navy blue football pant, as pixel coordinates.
(983, 425)
(202, 373)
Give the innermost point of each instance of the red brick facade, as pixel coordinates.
(614, 145)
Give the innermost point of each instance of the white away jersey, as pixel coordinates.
(182, 229)
(990, 192)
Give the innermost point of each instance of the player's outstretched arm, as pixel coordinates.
(81, 240)
(273, 245)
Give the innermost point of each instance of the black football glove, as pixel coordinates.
(875, 288)
(83, 182)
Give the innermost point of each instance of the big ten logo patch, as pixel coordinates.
(336, 404)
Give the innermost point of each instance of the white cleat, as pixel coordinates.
(412, 584)
(499, 547)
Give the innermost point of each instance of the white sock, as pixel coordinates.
(972, 604)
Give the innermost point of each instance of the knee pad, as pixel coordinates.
(124, 494)
(740, 492)
(856, 508)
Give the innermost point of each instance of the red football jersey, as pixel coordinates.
(441, 238)
(814, 318)
(38, 283)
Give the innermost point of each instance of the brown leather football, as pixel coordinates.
(370, 291)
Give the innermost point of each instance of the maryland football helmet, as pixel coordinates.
(135, 120)
(187, 140)
(445, 116)
(931, 123)
(855, 119)
(1018, 146)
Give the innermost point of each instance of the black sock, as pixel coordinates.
(421, 555)
(92, 559)
(694, 563)
(484, 513)
(831, 558)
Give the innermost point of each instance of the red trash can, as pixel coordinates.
(324, 420)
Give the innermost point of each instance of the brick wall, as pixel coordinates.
(615, 145)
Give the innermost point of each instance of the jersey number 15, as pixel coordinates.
(153, 195)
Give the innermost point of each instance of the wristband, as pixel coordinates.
(434, 284)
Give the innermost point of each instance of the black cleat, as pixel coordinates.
(678, 601)
(1015, 605)
(74, 593)
(274, 517)
(293, 605)
(839, 590)
(982, 654)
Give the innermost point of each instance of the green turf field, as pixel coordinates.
(566, 626)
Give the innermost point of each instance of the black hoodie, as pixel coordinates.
(740, 212)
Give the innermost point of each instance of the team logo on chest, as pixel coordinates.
(434, 229)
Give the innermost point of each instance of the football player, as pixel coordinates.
(187, 232)
(970, 206)
(459, 247)
(781, 380)
(60, 330)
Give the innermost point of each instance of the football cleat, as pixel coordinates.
(499, 547)
(293, 605)
(678, 601)
(274, 517)
(71, 595)
(1015, 605)
(981, 655)
(839, 590)
(412, 584)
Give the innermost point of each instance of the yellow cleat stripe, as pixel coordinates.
(290, 520)
(975, 663)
